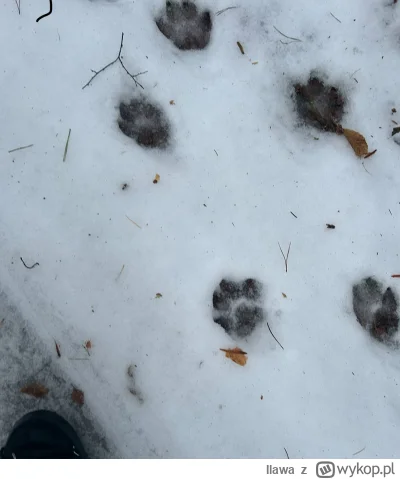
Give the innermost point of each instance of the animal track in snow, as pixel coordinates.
(185, 26)
(145, 123)
(237, 306)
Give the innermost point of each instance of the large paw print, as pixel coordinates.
(185, 26)
(319, 105)
(237, 306)
(145, 123)
(376, 309)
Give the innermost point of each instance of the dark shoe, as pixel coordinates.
(43, 435)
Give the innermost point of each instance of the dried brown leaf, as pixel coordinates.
(88, 344)
(395, 275)
(357, 142)
(158, 295)
(240, 47)
(236, 355)
(36, 390)
(172, 102)
(396, 130)
(284, 295)
(156, 179)
(394, 110)
(78, 397)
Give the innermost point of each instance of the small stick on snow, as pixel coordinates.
(287, 255)
(57, 349)
(358, 452)
(370, 154)
(395, 275)
(240, 47)
(18, 3)
(287, 455)
(118, 59)
(293, 214)
(133, 222)
(28, 267)
(336, 18)
(365, 168)
(66, 146)
(290, 38)
(355, 73)
(122, 269)
(224, 10)
(20, 148)
(272, 334)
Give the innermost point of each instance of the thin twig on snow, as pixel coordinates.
(287, 455)
(18, 3)
(20, 148)
(289, 38)
(358, 452)
(336, 18)
(119, 274)
(133, 222)
(287, 255)
(118, 59)
(66, 146)
(272, 334)
(28, 267)
(224, 10)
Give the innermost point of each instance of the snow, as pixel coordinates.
(239, 149)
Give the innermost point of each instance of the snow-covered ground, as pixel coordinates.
(239, 163)
(25, 360)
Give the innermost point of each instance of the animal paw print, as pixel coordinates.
(145, 123)
(185, 26)
(237, 306)
(376, 309)
(319, 105)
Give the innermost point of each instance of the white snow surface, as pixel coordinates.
(238, 148)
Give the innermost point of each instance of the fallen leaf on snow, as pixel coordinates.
(88, 344)
(240, 47)
(78, 397)
(158, 295)
(262, 397)
(172, 102)
(357, 142)
(330, 227)
(156, 179)
(395, 275)
(236, 355)
(284, 295)
(36, 390)
(394, 110)
(396, 130)
(254, 63)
